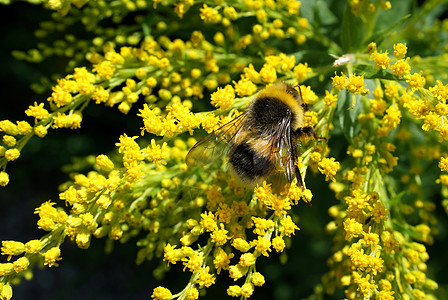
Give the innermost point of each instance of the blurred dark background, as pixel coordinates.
(91, 274)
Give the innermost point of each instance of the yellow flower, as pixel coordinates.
(365, 286)
(439, 92)
(400, 50)
(356, 85)
(155, 153)
(245, 87)
(219, 236)
(104, 163)
(9, 127)
(205, 279)
(193, 263)
(310, 119)
(114, 57)
(278, 244)
(209, 14)
(208, 221)
(247, 290)
(379, 212)
(386, 5)
(21, 264)
(268, 73)
(100, 95)
(37, 111)
(9, 141)
(222, 260)
(301, 71)
(6, 292)
(11, 248)
(329, 167)
(443, 164)
(4, 178)
(390, 120)
(40, 131)
(224, 213)
(24, 127)
(210, 123)
(251, 74)
(262, 245)
(352, 228)
(151, 120)
(223, 97)
(161, 293)
(12, 154)
(241, 245)
(105, 69)
(330, 99)
(308, 95)
(171, 254)
(370, 239)
(432, 121)
(258, 279)
(288, 227)
(6, 268)
(247, 259)
(401, 67)
(234, 291)
(371, 48)
(381, 60)
(237, 271)
(52, 256)
(378, 107)
(340, 82)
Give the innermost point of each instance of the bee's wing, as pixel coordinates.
(216, 144)
(284, 154)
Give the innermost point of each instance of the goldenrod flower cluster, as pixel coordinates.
(186, 68)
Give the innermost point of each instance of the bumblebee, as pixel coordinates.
(261, 143)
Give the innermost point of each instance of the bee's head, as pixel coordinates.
(291, 89)
(306, 107)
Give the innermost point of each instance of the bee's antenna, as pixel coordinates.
(300, 91)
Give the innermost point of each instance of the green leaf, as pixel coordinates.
(351, 30)
(379, 36)
(346, 116)
(371, 73)
(323, 13)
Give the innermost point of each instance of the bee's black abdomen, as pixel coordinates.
(266, 113)
(248, 165)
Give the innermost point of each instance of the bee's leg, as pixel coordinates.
(300, 182)
(308, 131)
